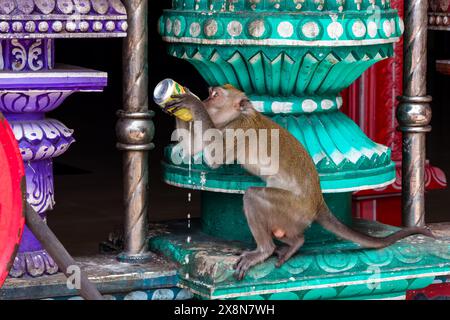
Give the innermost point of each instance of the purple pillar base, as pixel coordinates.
(31, 259)
(40, 140)
(25, 98)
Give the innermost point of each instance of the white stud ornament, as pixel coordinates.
(195, 29)
(258, 105)
(285, 29)
(168, 25)
(17, 26)
(83, 26)
(110, 26)
(387, 28)
(257, 28)
(372, 29)
(234, 28)
(311, 29)
(124, 26)
(211, 28)
(393, 25)
(177, 27)
(57, 26)
(71, 26)
(282, 107)
(309, 105)
(339, 102)
(30, 26)
(4, 26)
(359, 29)
(97, 26)
(43, 26)
(326, 104)
(335, 30)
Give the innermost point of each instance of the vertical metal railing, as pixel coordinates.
(414, 112)
(135, 132)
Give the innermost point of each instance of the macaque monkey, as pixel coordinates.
(292, 199)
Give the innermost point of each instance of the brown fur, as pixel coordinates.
(292, 199)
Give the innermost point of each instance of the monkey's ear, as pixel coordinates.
(245, 104)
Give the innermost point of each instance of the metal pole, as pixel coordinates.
(63, 259)
(135, 132)
(414, 113)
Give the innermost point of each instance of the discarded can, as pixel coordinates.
(163, 94)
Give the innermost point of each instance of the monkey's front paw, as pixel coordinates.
(185, 100)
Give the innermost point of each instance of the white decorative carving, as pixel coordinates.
(65, 6)
(45, 6)
(82, 6)
(35, 51)
(100, 6)
(20, 56)
(26, 6)
(7, 6)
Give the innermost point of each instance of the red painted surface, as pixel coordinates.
(372, 102)
(11, 198)
(437, 290)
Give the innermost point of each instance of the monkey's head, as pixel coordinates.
(226, 103)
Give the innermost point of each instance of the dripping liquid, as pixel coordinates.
(188, 238)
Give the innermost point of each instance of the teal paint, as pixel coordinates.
(215, 206)
(336, 270)
(292, 58)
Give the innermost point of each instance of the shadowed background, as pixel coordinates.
(88, 177)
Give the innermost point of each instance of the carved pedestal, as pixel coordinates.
(292, 59)
(32, 85)
(24, 99)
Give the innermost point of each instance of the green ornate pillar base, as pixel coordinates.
(339, 270)
(215, 206)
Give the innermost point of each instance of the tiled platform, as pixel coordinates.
(201, 266)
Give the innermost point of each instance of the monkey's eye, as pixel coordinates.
(214, 94)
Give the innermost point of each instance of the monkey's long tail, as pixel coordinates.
(327, 220)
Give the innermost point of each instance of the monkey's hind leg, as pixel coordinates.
(284, 253)
(257, 212)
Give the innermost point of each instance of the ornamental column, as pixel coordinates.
(135, 132)
(414, 113)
